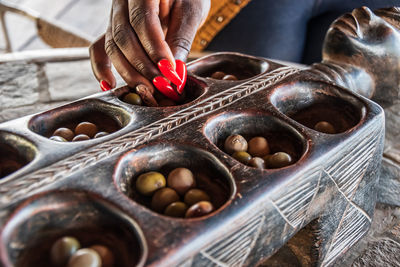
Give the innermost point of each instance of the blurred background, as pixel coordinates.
(44, 53)
(88, 18)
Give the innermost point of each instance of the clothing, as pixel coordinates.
(291, 30)
(221, 13)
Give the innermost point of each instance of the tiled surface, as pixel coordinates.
(27, 88)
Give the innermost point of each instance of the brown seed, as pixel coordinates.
(65, 133)
(218, 75)
(266, 158)
(230, 78)
(235, 143)
(85, 257)
(162, 198)
(133, 99)
(81, 137)
(279, 160)
(195, 195)
(88, 128)
(176, 209)
(242, 156)
(166, 103)
(257, 162)
(181, 180)
(258, 146)
(101, 134)
(325, 127)
(63, 249)
(149, 182)
(199, 209)
(107, 257)
(58, 139)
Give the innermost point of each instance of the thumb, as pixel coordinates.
(185, 19)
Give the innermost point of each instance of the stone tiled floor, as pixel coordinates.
(27, 88)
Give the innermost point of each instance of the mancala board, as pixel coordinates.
(87, 189)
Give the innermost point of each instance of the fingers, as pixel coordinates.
(128, 43)
(128, 73)
(164, 14)
(135, 40)
(187, 16)
(101, 64)
(143, 17)
(121, 64)
(146, 95)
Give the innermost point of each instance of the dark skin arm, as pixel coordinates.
(141, 33)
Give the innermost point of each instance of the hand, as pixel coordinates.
(143, 32)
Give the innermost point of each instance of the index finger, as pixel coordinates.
(144, 19)
(101, 64)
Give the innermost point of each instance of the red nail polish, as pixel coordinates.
(163, 85)
(182, 72)
(104, 85)
(168, 71)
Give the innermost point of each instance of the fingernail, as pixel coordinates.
(104, 85)
(181, 70)
(163, 85)
(168, 71)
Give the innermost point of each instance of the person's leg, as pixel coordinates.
(268, 28)
(325, 12)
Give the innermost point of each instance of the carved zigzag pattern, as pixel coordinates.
(347, 174)
(349, 170)
(12, 191)
(234, 249)
(352, 227)
(293, 203)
